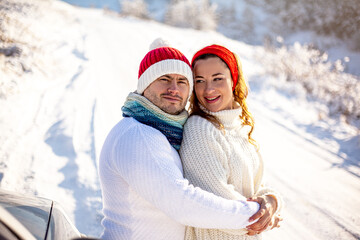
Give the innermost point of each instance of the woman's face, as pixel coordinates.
(213, 84)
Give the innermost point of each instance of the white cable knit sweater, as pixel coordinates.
(222, 162)
(145, 195)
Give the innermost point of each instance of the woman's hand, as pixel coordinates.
(275, 223)
(268, 206)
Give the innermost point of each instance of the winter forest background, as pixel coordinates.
(67, 66)
(320, 37)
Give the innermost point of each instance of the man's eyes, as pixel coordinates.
(183, 82)
(169, 80)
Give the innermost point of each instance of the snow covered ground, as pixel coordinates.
(85, 62)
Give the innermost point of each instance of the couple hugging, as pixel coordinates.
(168, 175)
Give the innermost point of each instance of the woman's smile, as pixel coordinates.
(212, 99)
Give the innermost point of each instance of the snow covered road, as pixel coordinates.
(52, 130)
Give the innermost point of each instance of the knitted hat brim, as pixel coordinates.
(168, 66)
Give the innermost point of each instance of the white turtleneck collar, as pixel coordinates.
(229, 118)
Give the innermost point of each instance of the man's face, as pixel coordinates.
(169, 92)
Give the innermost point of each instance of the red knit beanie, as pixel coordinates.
(225, 54)
(162, 60)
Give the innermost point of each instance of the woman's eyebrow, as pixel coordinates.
(199, 76)
(216, 74)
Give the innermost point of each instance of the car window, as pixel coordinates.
(33, 219)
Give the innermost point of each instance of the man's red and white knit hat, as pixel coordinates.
(162, 60)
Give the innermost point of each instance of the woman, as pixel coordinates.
(218, 151)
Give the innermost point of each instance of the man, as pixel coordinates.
(144, 193)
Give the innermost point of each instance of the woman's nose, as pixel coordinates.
(209, 88)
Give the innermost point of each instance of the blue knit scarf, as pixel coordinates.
(144, 111)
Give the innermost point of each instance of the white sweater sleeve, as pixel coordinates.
(263, 189)
(145, 159)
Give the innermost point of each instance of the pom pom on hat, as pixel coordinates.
(161, 60)
(159, 42)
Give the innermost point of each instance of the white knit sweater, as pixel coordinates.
(222, 162)
(145, 195)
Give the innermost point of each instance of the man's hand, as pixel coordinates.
(268, 205)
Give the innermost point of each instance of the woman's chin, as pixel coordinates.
(212, 108)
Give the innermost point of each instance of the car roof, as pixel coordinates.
(21, 199)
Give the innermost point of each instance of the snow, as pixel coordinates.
(54, 122)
